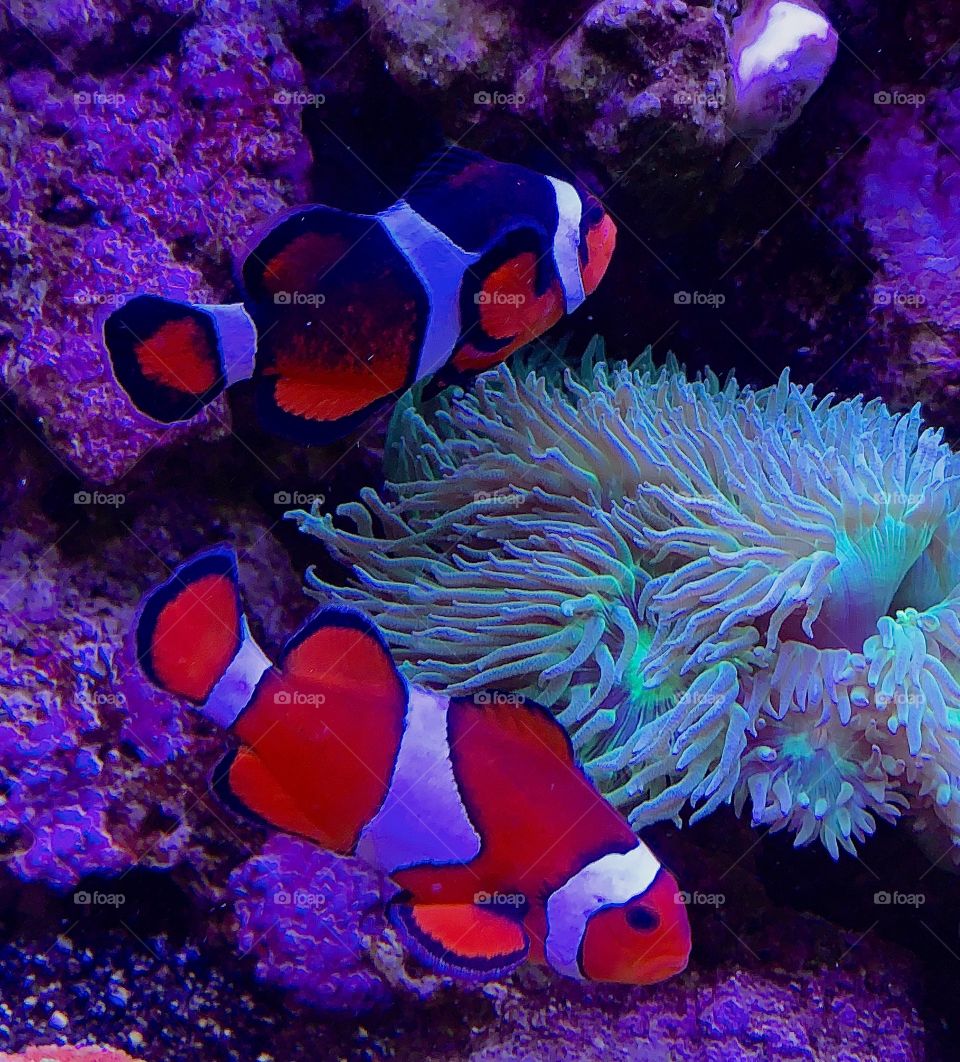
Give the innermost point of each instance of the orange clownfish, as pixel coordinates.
(476, 807)
(342, 312)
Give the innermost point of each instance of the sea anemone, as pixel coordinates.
(726, 595)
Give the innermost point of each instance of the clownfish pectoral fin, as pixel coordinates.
(191, 627)
(512, 295)
(343, 651)
(461, 939)
(173, 358)
(446, 164)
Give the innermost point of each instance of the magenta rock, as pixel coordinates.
(98, 772)
(87, 764)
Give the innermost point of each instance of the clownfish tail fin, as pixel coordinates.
(190, 630)
(173, 358)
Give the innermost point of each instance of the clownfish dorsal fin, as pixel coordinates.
(295, 249)
(469, 940)
(445, 163)
(320, 738)
(342, 315)
(341, 648)
(521, 720)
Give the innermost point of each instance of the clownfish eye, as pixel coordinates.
(643, 919)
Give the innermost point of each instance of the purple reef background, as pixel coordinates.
(142, 148)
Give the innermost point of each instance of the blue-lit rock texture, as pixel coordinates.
(630, 90)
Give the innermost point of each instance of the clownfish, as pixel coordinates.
(475, 807)
(342, 312)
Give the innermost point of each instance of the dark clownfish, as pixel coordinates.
(476, 808)
(341, 312)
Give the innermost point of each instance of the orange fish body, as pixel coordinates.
(502, 849)
(342, 312)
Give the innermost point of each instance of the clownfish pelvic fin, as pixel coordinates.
(466, 940)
